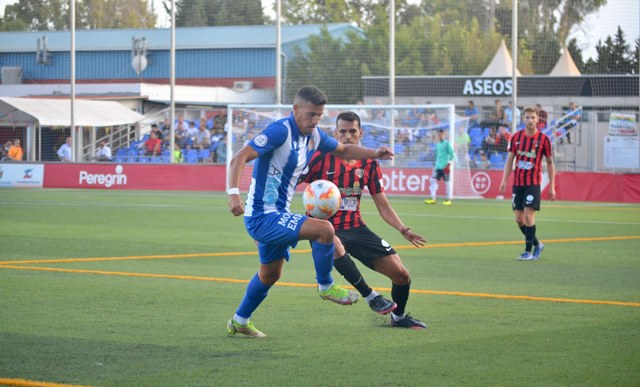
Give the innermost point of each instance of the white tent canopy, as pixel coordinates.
(501, 65)
(565, 67)
(57, 112)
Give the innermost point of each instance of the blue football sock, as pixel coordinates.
(323, 261)
(256, 292)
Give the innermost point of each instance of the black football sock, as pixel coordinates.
(536, 242)
(400, 295)
(522, 227)
(535, 239)
(348, 269)
(529, 236)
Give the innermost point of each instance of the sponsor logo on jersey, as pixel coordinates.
(260, 140)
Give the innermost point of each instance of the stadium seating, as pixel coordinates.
(497, 160)
(121, 156)
(204, 155)
(192, 156)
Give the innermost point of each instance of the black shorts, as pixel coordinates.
(439, 174)
(526, 196)
(364, 245)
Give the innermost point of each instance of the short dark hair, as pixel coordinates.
(154, 125)
(348, 116)
(311, 94)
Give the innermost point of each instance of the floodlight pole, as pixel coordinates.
(75, 152)
(278, 53)
(392, 73)
(172, 83)
(514, 70)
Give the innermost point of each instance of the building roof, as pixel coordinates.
(57, 112)
(160, 39)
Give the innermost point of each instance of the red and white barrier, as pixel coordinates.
(573, 186)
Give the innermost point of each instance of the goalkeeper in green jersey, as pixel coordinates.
(444, 157)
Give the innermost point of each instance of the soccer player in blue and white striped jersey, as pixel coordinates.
(282, 151)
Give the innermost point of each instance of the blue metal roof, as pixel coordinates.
(160, 39)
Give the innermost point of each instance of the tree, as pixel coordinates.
(544, 26)
(107, 14)
(53, 15)
(202, 13)
(331, 64)
(613, 56)
(635, 61)
(36, 15)
(362, 13)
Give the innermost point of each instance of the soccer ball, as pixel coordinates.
(321, 199)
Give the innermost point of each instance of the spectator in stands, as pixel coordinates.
(203, 136)
(192, 132)
(181, 123)
(65, 152)
(509, 113)
(502, 139)
(221, 150)
(471, 111)
(489, 143)
(103, 153)
(413, 117)
(157, 131)
(484, 161)
(429, 117)
(153, 146)
(15, 151)
(573, 116)
(177, 154)
(496, 116)
(542, 117)
(5, 149)
(181, 136)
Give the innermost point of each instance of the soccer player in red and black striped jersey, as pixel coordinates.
(527, 148)
(353, 237)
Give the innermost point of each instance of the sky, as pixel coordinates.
(625, 13)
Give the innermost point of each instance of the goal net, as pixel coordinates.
(410, 130)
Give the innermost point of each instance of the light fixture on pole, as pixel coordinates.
(139, 60)
(42, 53)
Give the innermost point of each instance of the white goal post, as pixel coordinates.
(410, 130)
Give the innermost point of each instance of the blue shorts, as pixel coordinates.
(275, 233)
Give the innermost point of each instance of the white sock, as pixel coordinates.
(240, 320)
(371, 296)
(433, 188)
(324, 287)
(396, 317)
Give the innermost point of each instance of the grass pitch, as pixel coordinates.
(129, 288)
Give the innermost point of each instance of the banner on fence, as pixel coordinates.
(621, 124)
(21, 175)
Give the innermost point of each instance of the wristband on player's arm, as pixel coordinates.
(233, 191)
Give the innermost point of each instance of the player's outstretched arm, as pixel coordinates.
(356, 152)
(391, 217)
